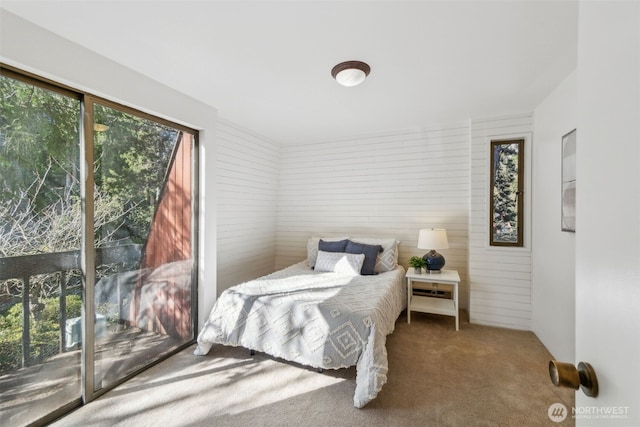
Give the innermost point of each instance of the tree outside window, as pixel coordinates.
(507, 193)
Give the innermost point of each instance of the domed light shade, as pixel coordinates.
(350, 73)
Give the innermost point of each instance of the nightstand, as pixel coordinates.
(446, 280)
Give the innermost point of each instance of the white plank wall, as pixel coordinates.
(247, 186)
(385, 185)
(271, 198)
(499, 278)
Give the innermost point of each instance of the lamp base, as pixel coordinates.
(434, 262)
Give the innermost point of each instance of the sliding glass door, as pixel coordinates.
(40, 283)
(97, 245)
(143, 303)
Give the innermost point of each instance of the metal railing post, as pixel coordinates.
(63, 311)
(26, 330)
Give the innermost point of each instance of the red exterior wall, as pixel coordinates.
(170, 236)
(163, 296)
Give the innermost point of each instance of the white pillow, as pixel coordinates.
(339, 262)
(387, 260)
(312, 247)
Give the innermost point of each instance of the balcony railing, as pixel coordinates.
(25, 267)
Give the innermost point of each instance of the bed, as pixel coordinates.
(321, 312)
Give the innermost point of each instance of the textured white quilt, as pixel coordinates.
(325, 320)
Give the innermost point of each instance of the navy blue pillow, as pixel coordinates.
(370, 255)
(338, 246)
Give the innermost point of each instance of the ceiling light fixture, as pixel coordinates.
(350, 73)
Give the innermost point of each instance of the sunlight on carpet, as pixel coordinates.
(238, 384)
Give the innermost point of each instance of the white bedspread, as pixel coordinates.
(324, 320)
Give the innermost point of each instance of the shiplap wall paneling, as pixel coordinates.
(499, 278)
(385, 185)
(247, 188)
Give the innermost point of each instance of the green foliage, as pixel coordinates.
(51, 311)
(134, 156)
(40, 206)
(417, 262)
(38, 139)
(12, 320)
(44, 329)
(505, 190)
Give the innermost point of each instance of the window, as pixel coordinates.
(97, 217)
(506, 199)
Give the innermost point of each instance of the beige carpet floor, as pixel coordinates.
(478, 376)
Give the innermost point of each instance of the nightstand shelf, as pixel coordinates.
(446, 280)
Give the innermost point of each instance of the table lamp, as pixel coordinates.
(433, 238)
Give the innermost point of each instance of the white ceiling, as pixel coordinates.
(266, 65)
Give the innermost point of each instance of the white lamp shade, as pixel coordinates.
(350, 77)
(433, 238)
